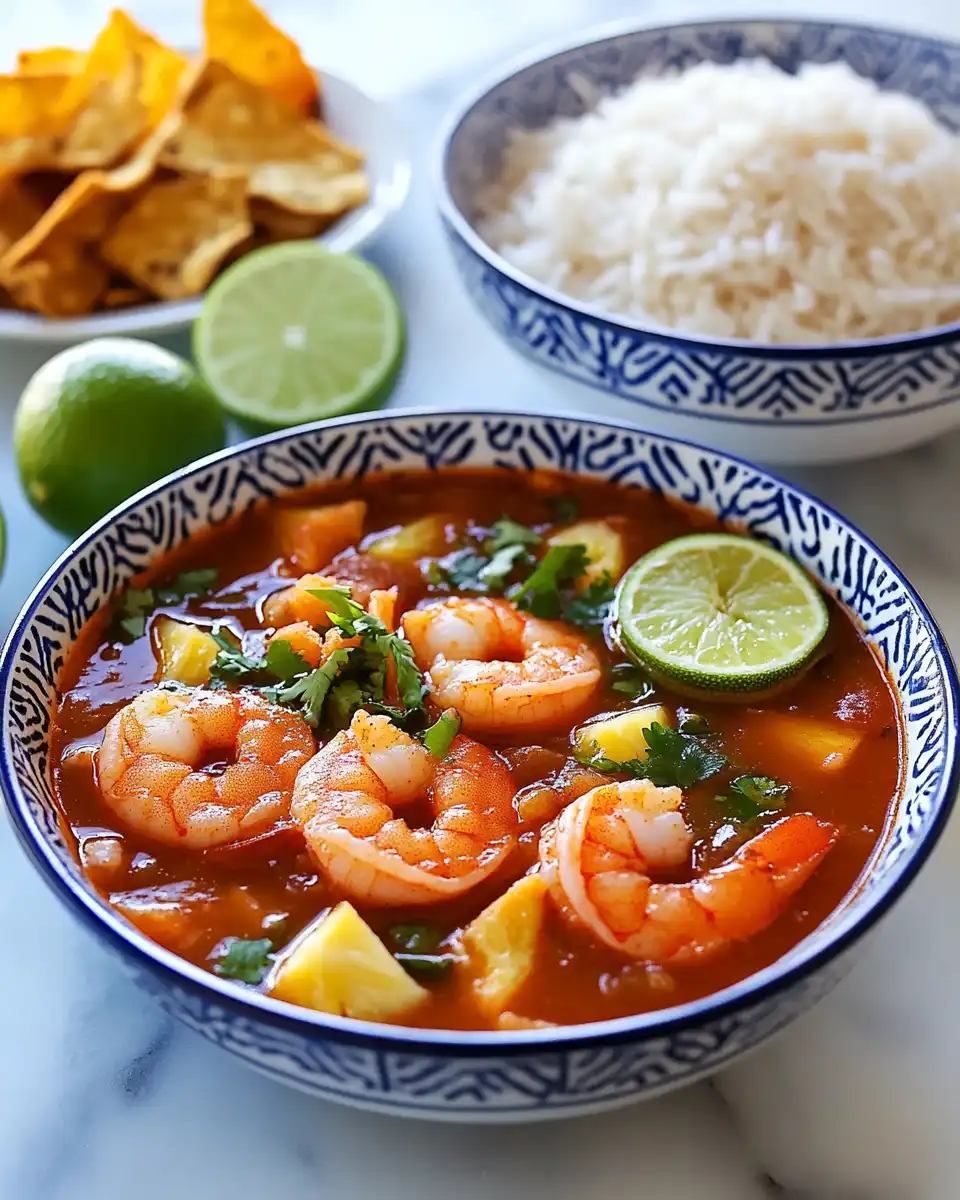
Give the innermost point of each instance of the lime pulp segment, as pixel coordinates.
(720, 612)
(296, 333)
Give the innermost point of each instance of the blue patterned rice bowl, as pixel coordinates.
(810, 404)
(454, 1075)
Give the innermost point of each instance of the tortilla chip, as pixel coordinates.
(238, 34)
(56, 268)
(31, 117)
(275, 224)
(161, 67)
(309, 188)
(175, 237)
(20, 208)
(52, 60)
(229, 125)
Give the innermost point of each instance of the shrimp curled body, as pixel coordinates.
(204, 768)
(601, 850)
(503, 670)
(345, 799)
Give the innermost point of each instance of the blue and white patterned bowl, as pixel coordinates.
(781, 404)
(484, 1076)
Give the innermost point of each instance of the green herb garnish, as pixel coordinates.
(415, 948)
(507, 532)
(134, 606)
(590, 608)
(310, 692)
(283, 662)
(426, 966)
(674, 759)
(439, 737)
(753, 796)
(244, 960)
(541, 592)
(231, 663)
(691, 722)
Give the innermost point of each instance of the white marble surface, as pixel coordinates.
(105, 1100)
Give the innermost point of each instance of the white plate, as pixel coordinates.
(355, 119)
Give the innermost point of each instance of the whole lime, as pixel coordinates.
(102, 420)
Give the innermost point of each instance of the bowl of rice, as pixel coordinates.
(744, 232)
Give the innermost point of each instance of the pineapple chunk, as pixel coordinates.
(502, 941)
(823, 744)
(420, 539)
(311, 537)
(340, 966)
(604, 549)
(186, 651)
(620, 737)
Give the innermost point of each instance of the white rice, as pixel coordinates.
(739, 201)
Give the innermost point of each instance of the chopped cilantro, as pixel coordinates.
(415, 948)
(134, 606)
(231, 663)
(342, 702)
(494, 575)
(676, 759)
(439, 737)
(540, 593)
(507, 532)
(631, 681)
(241, 959)
(564, 509)
(283, 662)
(415, 939)
(410, 682)
(426, 966)
(460, 571)
(591, 607)
(310, 692)
(752, 796)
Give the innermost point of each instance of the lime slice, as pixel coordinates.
(295, 333)
(713, 612)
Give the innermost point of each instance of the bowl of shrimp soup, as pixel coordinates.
(381, 753)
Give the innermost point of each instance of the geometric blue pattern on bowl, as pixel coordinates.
(720, 379)
(480, 1076)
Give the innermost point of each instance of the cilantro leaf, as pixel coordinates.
(752, 796)
(631, 681)
(231, 663)
(507, 532)
(439, 737)
(410, 682)
(342, 702)
(311, 691)
(492, 577)
(540, 592)
(415, 939)
(135, 605)
(242, 959)
(458, 572)
(676, 759)
(188, 583)
(564, 509)
(426, 966)
(591, 607)
(284, 662)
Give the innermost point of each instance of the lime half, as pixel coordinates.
(295, 333)
(714, 612)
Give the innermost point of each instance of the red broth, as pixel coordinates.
(190, 901)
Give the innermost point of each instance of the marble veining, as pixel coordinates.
(105, 1100)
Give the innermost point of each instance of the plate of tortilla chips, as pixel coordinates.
(132, 173)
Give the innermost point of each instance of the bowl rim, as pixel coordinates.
(354, 230)
(805, 959)
(456, 221)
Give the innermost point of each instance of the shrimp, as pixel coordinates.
(346, 795)
(502, 670)
(315, 647)
(161, 765)
(600, 851)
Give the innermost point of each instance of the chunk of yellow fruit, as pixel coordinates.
(340, 966)
(823, 744)
(604, 549)
(620, 737)
(419, 539)
(186, 651)
(502, 941)
(311, 537)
